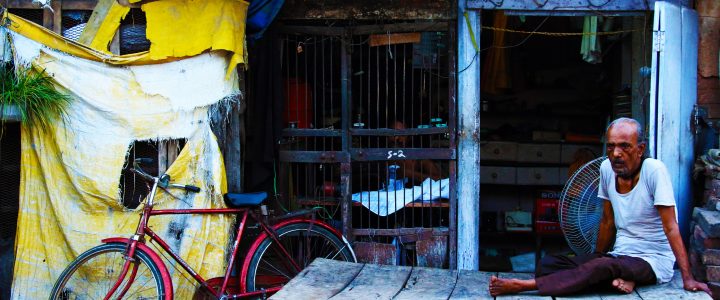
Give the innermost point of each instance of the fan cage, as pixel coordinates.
(580, 208)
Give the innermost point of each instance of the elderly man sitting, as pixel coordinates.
(639, 214)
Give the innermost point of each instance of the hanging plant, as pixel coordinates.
(30, 90)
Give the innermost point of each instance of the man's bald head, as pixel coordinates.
(629, 122)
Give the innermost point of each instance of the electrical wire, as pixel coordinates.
(560, 34)
(524, 40)
(276, 196)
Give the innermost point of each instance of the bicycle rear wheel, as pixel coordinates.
(304, 242)
(95, 272)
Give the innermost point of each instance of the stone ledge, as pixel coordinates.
(709, 221)
(700, 241)
(711, 257)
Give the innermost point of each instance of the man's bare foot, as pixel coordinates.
(502, 286)
(624, 286)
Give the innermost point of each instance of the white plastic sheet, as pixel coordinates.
(384, 203)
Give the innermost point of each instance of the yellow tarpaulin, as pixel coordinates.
(69, 196)
(178, 28)
(175, 28)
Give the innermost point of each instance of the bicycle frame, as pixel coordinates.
(138, 241)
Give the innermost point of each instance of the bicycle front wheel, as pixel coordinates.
(269, 267)
(95, 272)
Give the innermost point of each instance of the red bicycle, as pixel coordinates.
(127, 268)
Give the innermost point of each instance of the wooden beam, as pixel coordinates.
(225, 123)
(21, 4)
(452, 124)
(400, 27)
(79, 4)
(369, 10)
(162, 157)
(468, 189)
(233, 147)
(313, 30)
(394, 38)
(437, 231)
(100, 11)
(48, 20)
(567, 5)
(64, 4)
(57, 16)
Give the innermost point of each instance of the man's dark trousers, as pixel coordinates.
(562, 275)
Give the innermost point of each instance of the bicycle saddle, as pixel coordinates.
(244, 199)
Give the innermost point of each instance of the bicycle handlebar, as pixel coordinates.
(162, 183)
(187, 187)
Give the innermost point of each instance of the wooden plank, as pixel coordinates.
(312, 30)
(532, 295)
(601, 296)
(394, 38)
(375, 253)
(438, 231)
(322, 279)
(432, 252)
(311, 132)
(671, 290)
(384, 154)
(589, 296)
(472, 285)
(400, 27)
(396, 132)
(376, 282)
(632, 296)
(428, 283)
(314, 156)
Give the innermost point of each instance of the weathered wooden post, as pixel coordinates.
(468, 183)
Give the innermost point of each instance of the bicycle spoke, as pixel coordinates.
(336, 252)
(277, 271)
(144, 284)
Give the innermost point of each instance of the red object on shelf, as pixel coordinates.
(329, 189)
(298, 103)
(546, 216)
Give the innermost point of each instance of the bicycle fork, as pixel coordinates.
(132, 246)
(130, 253)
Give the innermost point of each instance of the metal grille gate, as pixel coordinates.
(362, 106)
